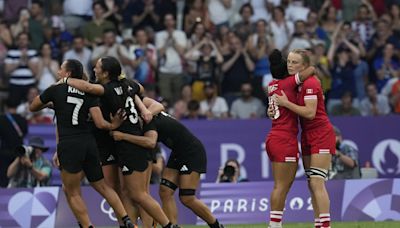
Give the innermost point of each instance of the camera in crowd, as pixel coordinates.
(24, 150)
(228, 174)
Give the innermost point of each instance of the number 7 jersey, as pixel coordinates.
(71, 107)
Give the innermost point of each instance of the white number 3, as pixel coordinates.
(133, 115)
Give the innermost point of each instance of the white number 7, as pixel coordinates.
(78, 102)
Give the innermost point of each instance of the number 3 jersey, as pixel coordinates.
(114, 99)
(71, 107)
(284, 121)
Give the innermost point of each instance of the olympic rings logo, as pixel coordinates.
(106, 209)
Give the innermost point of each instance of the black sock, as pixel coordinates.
(214, 225)
(122, 226)
(91, 226)
(80, 225)
(169, 225)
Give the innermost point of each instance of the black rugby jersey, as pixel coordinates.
(71, 107)
(170, 131)
(114, 99)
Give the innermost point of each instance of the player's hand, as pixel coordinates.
(271, 112)
(55, 160)
(147, 116)
(117, 135)
(117, 119)
(281, 100)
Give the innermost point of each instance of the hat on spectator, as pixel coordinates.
(337, 131)
(37, 142)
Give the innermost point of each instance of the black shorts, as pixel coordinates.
(188, 159)
(132, 157)
(77, 153)
(107, 150)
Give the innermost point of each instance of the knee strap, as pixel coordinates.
(168, 184)
(317, 172)
(187, 192)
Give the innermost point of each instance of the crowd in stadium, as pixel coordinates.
(206, 59)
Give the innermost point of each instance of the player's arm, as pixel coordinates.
(146, 114)
(101, 123)
(308, 111)
(85, 86)
(148, 140)
(42, 101)
(306, 73)
(153, 106)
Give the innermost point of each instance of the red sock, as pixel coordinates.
(325, 220)
(276, 216)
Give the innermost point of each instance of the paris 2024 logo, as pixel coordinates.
(386, 157)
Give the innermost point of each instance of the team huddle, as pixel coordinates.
(107, 131)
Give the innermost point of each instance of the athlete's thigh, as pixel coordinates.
(171, 174)
(189, 181)
(284, 171)
(322, 161)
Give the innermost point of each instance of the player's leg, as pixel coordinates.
(72, 190)
(284, 174)
(136, 184)
(168, 185)
(130, 207)
(188, 184)
(318, 173)
(306, 166)
(147, 220)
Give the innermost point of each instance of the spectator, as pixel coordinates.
(37, 23)
(296, 11)
(194, 111)
(213, 106)
(144, 58)
(345, 164)
(12, 132)
(364, 23)
(260, 46)
(314, 29)
(237, 68)
(230, 173)
(360, 72)
(94, 30)
(281, 29)
(112, 13)
(22, 25)
(221, 12)
(261, 9)
(322, 64)
(30, 168)
(346, 108)
(300, 39)
(208, 59)
(245, 27)
(328, 17)
(59, 38)
(171, 44)
(394, 12)
(45, 116)
(386, 68)
(110, 48)
(6, 39)
(247, 106)
(21, 65)
(374, 104)
(12, 9)
(197, 13)
(222, 42)
(80, 52)
(146, 14)
(47, 68)
(197, 35)
(382, 36)
(76, 12)
(180, 106)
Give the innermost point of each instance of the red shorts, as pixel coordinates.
(318, 141)
(282, 148)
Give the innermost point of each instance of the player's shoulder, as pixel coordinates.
(311, 81)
